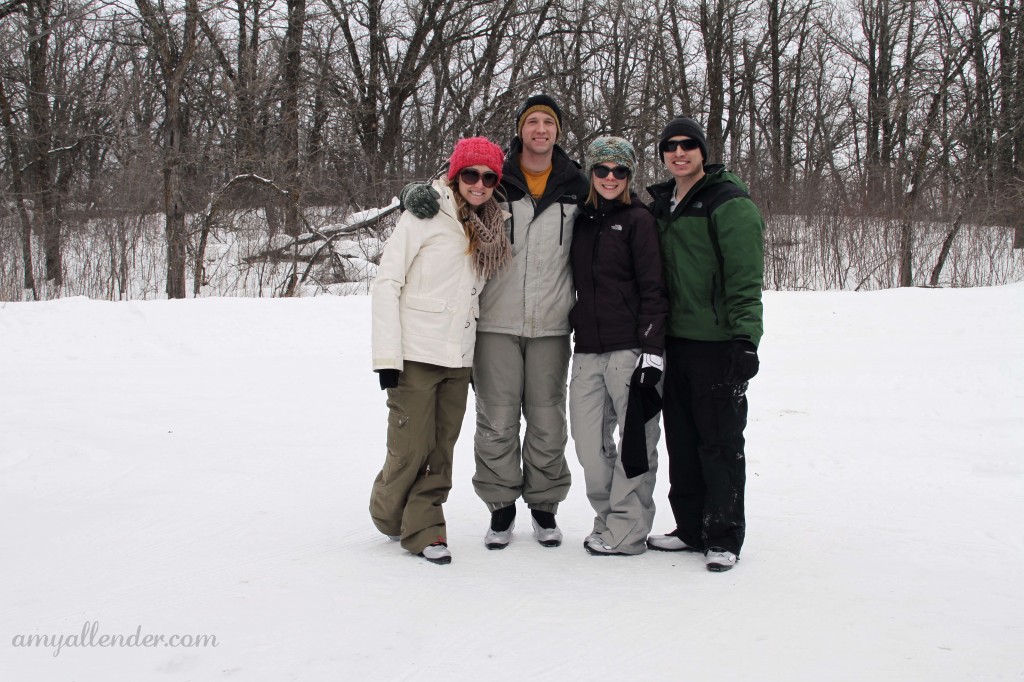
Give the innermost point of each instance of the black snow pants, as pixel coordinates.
(704, 420)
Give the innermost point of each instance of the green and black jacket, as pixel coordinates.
(712, 247)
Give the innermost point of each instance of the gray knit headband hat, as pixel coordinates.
(611, 150)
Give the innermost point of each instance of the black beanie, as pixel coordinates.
(682, 125)
(538, 102)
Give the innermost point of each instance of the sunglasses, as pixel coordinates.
(620, 172)
(470, 176)
(672, 145)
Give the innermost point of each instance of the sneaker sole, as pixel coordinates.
(594, 552)
(718, 568)
(496, 545)
(441, 560)
(550, 542)
(664, 549)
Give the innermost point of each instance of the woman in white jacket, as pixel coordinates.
(425, 305)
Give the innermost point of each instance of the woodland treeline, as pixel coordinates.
(904, 114)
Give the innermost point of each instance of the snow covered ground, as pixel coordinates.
(202, 467)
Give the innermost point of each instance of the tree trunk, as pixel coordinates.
(174, 209)
(7, 117)
(174, 61)
(907, 253)
(947, 245)
(713, 28)
(290, 113)
(46, 214)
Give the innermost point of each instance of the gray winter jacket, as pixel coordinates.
(533, 295)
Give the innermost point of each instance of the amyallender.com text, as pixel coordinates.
(90, 637)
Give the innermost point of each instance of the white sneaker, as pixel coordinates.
(437, 553)
(718, 559)
(394, 538)
(498, 539)
(595, 545)
(548, 537)
(669, 542)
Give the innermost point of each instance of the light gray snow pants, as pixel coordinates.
(514, 376)
(598, 396)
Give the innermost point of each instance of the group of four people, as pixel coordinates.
(486, 275)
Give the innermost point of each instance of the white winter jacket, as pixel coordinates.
(425, 296)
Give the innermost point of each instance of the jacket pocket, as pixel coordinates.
(398, 443)
(427, 304)
(573, 316)
(713, 298)
(423, 317)
(630, 300)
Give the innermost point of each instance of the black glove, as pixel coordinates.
(743, 362)
(388, 378)
(420, 199)
(648, 370)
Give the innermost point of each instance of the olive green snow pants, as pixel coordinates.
(424, 419)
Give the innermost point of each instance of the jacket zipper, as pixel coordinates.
(714, 287)
(593, 281)
(561, 221)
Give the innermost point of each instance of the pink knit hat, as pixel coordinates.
(472, 151)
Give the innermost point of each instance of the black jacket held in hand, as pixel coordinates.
(621, 301)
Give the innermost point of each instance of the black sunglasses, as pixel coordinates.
(620, 172)
(672, 145)
(469, 176)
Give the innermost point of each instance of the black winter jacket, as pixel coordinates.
(621, 301)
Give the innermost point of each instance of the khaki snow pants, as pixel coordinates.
(424, 419)
(517, 376)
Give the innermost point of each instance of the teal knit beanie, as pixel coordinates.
(611, 149)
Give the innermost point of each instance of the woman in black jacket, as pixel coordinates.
(619, 329)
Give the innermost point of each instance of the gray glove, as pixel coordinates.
(420, 199)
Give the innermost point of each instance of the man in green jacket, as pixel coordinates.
(712, 242)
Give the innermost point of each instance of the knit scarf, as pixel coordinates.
(492, 250)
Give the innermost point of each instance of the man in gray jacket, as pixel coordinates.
(522, 349)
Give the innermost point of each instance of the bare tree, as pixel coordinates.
(173, 42)
(40, 14)
(292, 72)
(18, 185)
